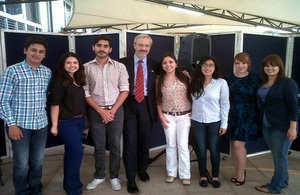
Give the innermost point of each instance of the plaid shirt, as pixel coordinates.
(105, 84)
(23, 95)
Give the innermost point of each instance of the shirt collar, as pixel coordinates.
(30, 67)
(136, 59)
(94, 61)
(213, 80)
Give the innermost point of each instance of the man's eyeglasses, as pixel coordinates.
(142, 45)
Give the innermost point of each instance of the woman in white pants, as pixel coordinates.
(174, 109)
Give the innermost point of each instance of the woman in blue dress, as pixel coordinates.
(242, 122)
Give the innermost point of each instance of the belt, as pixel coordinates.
(177, 113)
(107, 107)
(78, 116)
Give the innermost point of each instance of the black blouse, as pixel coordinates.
(70, 98)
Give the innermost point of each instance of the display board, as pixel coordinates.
(222, 48)
(14, 49)
(260, 46)
(296, 77)
(161, 45)
(296, 61)
(83, 46)
(3, 148)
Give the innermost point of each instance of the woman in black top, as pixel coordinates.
(67, 101)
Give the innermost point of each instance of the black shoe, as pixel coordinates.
(203, 183)
(144, 176)
(132, 187)
(239, 183)
(216, 183)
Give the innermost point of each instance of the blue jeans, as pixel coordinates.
(28, 156)
(70, 131)
(207, 137)
(279, 145)
(106, 133)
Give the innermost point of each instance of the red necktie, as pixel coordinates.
(139, 88)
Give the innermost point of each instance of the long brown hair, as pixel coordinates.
(79, 75)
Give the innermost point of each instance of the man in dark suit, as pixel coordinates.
(140, 112)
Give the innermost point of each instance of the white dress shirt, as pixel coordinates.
(213, 105)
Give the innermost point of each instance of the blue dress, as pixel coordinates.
(243, 113)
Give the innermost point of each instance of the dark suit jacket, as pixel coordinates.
(152, 72)
(281, 104)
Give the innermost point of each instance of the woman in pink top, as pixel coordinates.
(174, 107)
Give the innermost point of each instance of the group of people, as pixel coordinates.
(126, 96)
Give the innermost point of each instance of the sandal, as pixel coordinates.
(239, 183)
(233, 179)
(262, 188)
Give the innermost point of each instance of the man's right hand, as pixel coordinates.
(15, 133)
(107, 116)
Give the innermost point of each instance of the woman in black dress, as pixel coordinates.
(242, 123)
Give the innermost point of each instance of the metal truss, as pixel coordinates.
(142, 27)
(232, 15)
(221, 13)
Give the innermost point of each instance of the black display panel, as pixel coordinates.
(296, 77)
(260, 46)
(296, 61)
(2, 139)
(222, 48)
(83, 46)
(14, 44)
(161, 45)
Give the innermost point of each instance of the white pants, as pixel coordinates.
(177, 138)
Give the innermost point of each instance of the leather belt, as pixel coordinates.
(78, 116)
(177, 113)
(107, 107)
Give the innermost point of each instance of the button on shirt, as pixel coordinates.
(213, 105)
(104, 83)
(23, 95)
(145, 70)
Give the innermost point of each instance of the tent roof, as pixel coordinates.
(154, 15)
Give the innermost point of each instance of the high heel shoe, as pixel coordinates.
(239, 183)
(233, 179)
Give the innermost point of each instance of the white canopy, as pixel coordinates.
(154, 15)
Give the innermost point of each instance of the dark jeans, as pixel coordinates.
(279, 145)
(207, 137)
(28, 156)
(110, 133)
(70, 130)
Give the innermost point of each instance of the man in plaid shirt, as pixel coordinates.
(23, 96)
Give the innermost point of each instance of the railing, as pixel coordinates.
(11, 22)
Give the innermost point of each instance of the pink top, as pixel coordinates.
(174, 97)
